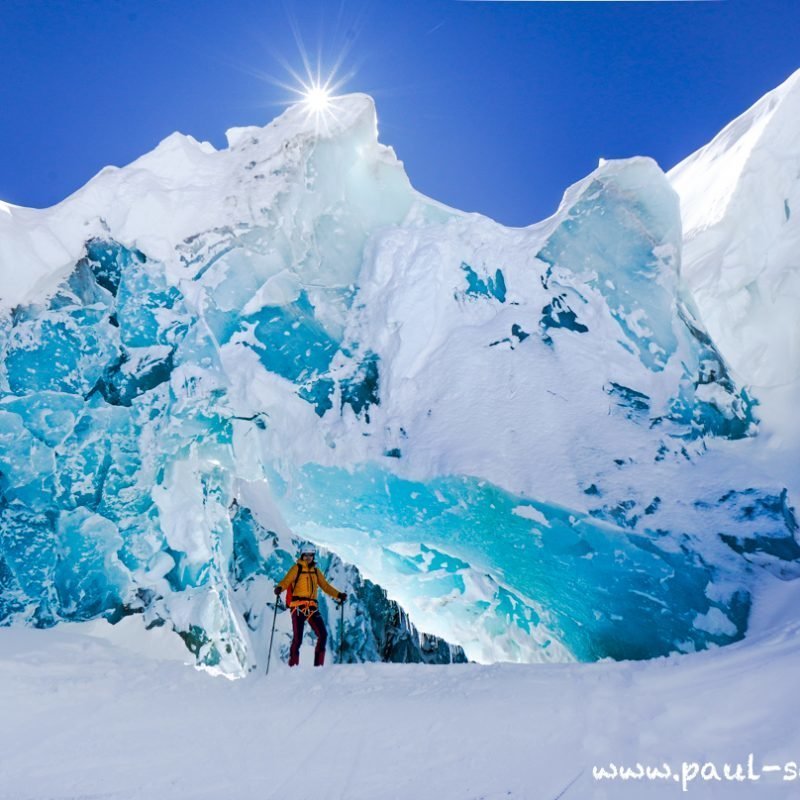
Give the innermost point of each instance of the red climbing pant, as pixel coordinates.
(317, 625)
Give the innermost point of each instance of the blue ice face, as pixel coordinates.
(605, 591)
(87, 393)
(113, 403)
(59, 549)
(616, 243)
(76, 344)
(493, 286)
(291, 342)
(624, 245)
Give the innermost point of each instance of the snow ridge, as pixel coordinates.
(740, 206)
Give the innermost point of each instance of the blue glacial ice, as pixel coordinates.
(499, 567)
(524, 437)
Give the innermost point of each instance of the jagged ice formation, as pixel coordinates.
(527, 437)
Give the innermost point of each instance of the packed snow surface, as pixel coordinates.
(116, 715)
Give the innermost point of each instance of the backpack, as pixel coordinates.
(290, 590)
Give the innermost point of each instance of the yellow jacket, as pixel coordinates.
(306, 580)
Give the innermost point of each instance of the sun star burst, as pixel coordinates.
(317, 98)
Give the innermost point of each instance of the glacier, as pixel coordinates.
(526, 443)
(739, 198)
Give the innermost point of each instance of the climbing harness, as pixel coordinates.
(306, 607)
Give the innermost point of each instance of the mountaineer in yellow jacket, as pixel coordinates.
(303, 581)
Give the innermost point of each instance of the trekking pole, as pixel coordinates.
(272, 635)
(341, 630)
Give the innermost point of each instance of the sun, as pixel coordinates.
(315, 86)
(320, 102)
(317, 98)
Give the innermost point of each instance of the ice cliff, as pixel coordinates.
(527, 437)
(740, 197)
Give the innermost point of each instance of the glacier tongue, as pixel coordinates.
(526, 436)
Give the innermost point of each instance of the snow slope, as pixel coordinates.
(115, 715)
(740, 206)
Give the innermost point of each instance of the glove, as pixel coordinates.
(278, 590)
(343, 596)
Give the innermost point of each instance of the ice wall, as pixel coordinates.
(118, 476)
(527, 437)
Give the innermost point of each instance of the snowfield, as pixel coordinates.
(113, 714)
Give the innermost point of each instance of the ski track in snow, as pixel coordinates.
(85, 719)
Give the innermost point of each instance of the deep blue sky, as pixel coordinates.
(494, 107)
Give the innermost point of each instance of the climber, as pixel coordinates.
(302, 582)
